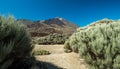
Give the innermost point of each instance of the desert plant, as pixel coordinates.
(41, 52)
(72, 44)
(52, 39)
(98, 45)
(15, 43)
(67, 47)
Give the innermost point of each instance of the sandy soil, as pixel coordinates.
(59, 58)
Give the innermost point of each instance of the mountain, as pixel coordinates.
(49, 26)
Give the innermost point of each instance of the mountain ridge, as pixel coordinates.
(41, 28)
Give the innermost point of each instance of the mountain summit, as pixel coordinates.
(49, 26)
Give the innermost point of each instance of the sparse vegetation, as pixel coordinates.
(52, 39)
(98, 45)
(41, 52)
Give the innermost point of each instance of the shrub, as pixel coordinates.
(98, 45)
(67, 47)
(41, 52)
(52, 39)
(72, 44)
(15, 44)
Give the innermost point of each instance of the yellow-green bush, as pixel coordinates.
(99, 45)
(41, 52)
(67, 47)
(52, 39)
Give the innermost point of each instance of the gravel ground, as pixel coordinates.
(59, 58)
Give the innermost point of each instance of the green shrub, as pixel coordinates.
(98, 45)
(15, 43)
(34, 41)
(67, 47)
(41, 52)
(72, 44)
(52, 39)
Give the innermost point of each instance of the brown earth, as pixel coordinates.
(59, 58)
(49, 26)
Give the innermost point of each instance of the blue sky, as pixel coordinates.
(80, 12)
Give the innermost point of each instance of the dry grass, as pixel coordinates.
(59, 58)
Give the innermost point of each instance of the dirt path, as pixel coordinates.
(59, 58)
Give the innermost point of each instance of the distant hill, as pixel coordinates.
(49, 26)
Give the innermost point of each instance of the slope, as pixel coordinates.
(49, 26)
